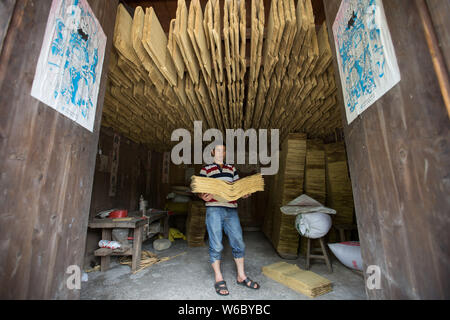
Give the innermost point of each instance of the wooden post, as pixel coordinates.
(137, 245)
(435, 51)
(105, 260)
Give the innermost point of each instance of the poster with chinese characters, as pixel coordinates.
(70, 64)
(365, 54)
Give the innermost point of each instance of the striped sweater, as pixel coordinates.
(226, 173)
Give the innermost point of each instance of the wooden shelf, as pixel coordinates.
(104, 252)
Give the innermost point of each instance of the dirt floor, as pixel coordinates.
(190, 276)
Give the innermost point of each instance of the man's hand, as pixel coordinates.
(206, 196)
(246, 196)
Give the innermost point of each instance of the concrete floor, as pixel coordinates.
(190, 277)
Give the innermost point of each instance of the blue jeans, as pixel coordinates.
(226, 219)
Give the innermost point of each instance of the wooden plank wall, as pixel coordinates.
(133, 172)
(47, 166)
(6, 11)
(439, 11)
(399, 161)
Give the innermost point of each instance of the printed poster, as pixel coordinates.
(70, 64)
(365, 54)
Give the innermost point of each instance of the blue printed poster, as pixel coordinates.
(365, 54)
(70, 64)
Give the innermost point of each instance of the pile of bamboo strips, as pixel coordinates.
(148, 259)
(288, 185)
(315, 185)
(305, 282)
(195, 224)
(339, 187)
(315, 180)
(320, 171)
(226, 191)
(257, 39)
(197, 70)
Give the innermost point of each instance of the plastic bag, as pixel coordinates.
(109, 244)
(313, 225)
(348, 253)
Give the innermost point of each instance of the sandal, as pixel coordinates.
(221, 286)
(249, 283)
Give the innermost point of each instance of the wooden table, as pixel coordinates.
(152, 216)
(135, 222)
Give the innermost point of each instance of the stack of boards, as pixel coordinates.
(161, 80)
(223, 190)
(339, 186)
(288, 185)
(316, 169)
(305, 282)
(315, 180)
(195, 224)
(315, 184)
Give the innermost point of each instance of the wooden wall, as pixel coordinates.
(439, 11)
(46, 164)
(399, 161)
(136, 176)
(6, 11)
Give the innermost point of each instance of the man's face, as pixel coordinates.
(219, 153)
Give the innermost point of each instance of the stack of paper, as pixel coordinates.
(225, 190)
(305, 282)
(195, 224)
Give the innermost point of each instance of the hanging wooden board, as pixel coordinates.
(155, 42)
(184, 43)
(174, 51)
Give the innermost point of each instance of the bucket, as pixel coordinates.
(119, 214)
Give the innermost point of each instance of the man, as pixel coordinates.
(223, 216)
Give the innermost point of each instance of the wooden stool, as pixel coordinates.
(310, 254)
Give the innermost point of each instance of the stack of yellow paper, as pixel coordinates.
(225, 190)
(195, 224)
(305, 282)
